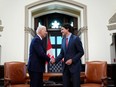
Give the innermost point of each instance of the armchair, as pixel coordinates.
(95, 74)
(15, 74)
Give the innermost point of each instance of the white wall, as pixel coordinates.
(12, 40)
(98, 14)
(12, 14)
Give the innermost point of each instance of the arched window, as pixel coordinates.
(53, 23)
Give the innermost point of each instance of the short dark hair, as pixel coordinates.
(68, 26)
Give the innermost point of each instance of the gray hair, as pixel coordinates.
(39, 29)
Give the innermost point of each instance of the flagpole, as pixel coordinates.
(46, 67)
(49, 53)
(46, 64)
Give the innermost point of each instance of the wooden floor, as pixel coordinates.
(111, 84)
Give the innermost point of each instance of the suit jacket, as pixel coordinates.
(74, 51)
(37, 55)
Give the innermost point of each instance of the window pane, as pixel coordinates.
(59, 39)
(53, 51)
(71, 24)
(52, 39)
(39, 24)
(58, 51)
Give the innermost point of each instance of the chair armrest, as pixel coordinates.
(104, 81)
(27, 78)
(82, 77)
(7, 82)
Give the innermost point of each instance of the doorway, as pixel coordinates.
(53, 23)
(66, 7)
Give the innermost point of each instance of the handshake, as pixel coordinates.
(52, 60)
(68, 62)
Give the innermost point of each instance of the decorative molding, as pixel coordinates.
(0, 54)
(83, 12)
(82, 29)
(111, 26)
(29, 30)
(112, 29)
(1, 27)
(0, 22)
(112, 19)
(112, 23)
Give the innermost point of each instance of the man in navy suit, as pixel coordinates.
(37, 58)
(71, 51)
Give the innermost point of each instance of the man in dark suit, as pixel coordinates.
(71, 51)
(37, 58)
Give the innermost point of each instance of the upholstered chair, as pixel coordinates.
(95, 74)
(15, 74)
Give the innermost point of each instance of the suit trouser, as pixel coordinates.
(71, 79)
(36, 79)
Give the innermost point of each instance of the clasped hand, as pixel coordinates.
(52, 60)
(68, 62)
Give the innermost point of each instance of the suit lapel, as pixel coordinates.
(42, 43)
(64, 44)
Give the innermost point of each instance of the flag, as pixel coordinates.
(49, 49)
(49, 53)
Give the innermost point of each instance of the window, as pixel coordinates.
(56, 40)
(71, 24)
(55, 24)
(39, 24)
